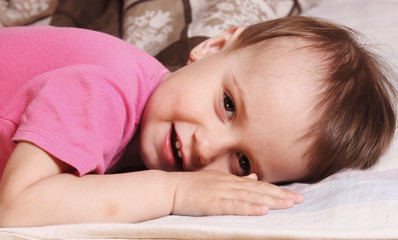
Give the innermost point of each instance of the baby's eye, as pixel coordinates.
(244, 164)
(229, 106)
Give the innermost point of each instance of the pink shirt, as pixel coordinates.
(77, 94)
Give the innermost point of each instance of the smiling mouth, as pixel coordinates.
(176, 147)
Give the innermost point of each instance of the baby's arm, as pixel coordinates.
(37, 189)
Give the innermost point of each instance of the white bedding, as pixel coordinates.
(348, 205)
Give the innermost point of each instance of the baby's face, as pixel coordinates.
(237, 112)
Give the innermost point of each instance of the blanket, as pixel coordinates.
(352, 204)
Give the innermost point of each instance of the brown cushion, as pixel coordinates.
(168, 29)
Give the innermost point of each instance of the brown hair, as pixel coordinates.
(357, 119)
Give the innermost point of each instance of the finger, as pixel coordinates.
(270, 201)
(252, 176)
(229, 206)
(271, 189)
(298, 198)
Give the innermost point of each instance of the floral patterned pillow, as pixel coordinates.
(154, 25)
(21, 12)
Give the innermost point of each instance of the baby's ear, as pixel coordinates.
(216, 43)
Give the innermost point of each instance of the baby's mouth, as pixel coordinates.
(176, 147)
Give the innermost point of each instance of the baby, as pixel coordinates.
(292, 99)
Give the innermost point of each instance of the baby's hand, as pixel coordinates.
(217, 193)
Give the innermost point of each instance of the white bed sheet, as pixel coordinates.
(348, 205)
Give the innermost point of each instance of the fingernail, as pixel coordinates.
(298, 197)
(289, 201)
(263, 210)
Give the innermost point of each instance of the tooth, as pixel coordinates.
(179, 153)
(178, 145)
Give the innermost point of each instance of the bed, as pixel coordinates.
(349, 205)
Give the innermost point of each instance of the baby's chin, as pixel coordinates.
(148, 163)
(150, 160)
(145, 156)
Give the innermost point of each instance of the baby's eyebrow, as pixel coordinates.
(239, 98)
(241, 109)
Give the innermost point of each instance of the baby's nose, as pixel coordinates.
(210, 145)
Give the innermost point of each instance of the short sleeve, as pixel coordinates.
(80, 114)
